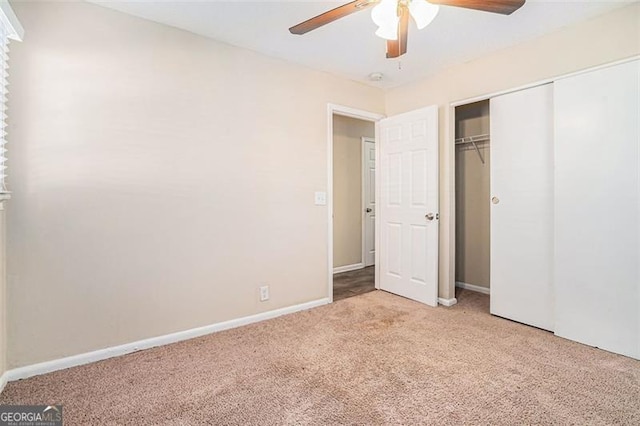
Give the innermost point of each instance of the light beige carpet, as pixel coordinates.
(370, 359)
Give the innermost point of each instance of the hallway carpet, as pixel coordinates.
(372, 359)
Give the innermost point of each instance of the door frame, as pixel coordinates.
(345, 111)
(363, 142)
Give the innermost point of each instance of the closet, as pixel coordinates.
(504, 203)
(472, 179)
(563, 203)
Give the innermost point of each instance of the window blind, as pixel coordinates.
(4, 65)
(10, 29)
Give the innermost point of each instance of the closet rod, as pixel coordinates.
(473, 140)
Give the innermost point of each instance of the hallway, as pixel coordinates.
(353, 283)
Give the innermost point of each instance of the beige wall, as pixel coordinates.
(159, 179)
(604, 39)
(472, 197)
(347, 188)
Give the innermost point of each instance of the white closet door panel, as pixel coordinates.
(522, 220)
(597, 208)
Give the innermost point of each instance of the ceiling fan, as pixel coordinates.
(392, 16)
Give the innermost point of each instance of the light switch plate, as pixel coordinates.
(321, 198)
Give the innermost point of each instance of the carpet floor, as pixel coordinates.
(372, 359)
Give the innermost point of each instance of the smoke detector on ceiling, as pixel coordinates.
(376, 76)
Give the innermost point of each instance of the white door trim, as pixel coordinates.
(334, 109)
(363, 142)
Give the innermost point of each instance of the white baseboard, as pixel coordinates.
(472, 287)
(114, 351)
(347, 268)
(3, 381)
(447, 302)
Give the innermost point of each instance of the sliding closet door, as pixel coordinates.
(522, 206)
(597, 201)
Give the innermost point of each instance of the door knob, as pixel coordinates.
(368, 210)
(495, 200)
(430, 216)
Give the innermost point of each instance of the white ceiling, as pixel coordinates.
(348, 47)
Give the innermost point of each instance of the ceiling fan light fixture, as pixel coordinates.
(389, 32)
(385, 16)
(393, 16)
(423, 12)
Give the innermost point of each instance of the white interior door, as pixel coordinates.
(597, 208)
(522, 206)
(369, 200)
(408, 205)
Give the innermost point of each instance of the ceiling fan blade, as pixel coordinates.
(504, 7)
(393, 49)
(330, 16)
(396, 48)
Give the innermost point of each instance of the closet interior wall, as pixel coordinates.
(472, 196)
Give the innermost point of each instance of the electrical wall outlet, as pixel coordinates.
(264, 293)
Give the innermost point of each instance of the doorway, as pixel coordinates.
(472, 192)
(354, 167)
(405, 202)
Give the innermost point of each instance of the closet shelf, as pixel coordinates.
(473, 140)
